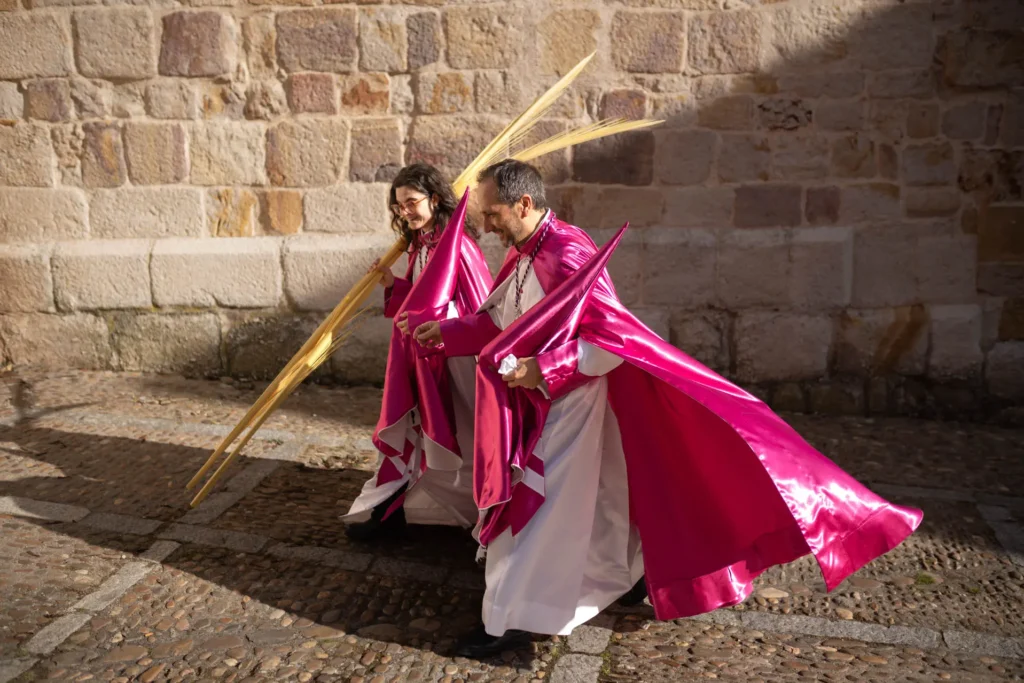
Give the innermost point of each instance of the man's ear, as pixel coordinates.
(527, 202)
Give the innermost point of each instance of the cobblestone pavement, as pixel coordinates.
(105, 573)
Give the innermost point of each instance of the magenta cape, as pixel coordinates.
(721, 488)
(455, 272)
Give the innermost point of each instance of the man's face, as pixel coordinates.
(501, 219)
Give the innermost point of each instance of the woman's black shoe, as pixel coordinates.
(636, 595)
(481, 645)
(377, 528)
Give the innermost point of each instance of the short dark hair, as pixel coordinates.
(514, 179)
(428, 180)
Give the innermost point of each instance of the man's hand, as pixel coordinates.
(526, 375)
(387, 277)
(428, 334)
(402, 322)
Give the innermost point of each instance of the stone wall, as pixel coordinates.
(831, 214)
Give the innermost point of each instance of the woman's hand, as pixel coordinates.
(387, 277)
(402, 322)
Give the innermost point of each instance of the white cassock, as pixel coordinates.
(579, 553)
(443, 497)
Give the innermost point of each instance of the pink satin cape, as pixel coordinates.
(721, 488)
(455, 272)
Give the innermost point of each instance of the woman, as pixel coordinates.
(426, 421)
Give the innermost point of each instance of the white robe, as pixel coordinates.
(443, 497)
(579, 553)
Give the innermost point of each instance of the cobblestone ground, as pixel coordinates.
(105, 573)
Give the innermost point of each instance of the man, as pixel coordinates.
(719, 487)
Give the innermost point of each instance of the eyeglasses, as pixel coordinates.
(408, 207)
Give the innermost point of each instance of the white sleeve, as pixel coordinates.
(595, 361)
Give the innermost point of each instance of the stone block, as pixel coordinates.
(820, 268)
(837, 398)
(35, 215)
(785, 113)
(425, 39)
(566, 37)
(684, 157)
(484, 37)
(869, 202)
(881, 341)
(259, 347)
(228, 154)
(376, 150)
(1004, 370)
(1001, 234)
(883, 270)
(726, 42)
(744, 158)
(172, 99)
(232, 212)
(24, 34)
(259, 36)
(27, 159)
(698, 207)
(320, 269)
(649, 42)
(965, 121)
(449, 92)
(955, 342)
(322, 39)
(187, 344)
(929, 164)
(825, 84)
(800, 157)
(735, 112)
(102, 274)
(25, 282)
(704, 336)
(79, 340)
(309, 152)
(156, 153)
(365, 94)
(993, 175)
(363, 358)
(1001, 279)
(198, 44)
(1012, 124)
(1010, 315)
(312, 93)
(763, 206)
(918, 83)
(281, 212)
(946, 269)
(972, 58)
(230, 273)
(610, 207)
(94, 99)
(451, 142)
(922, 120)
(383, 40)
(147, 212)
(809, 36)
(115, 43)
(679, 267)
(501, 92)
(753, 269)
(930, 202)
(821, 205)
(899, 38)
(840, 115)
(781, 346)
(103, 162)
(265, 100)
(853, 156)
(12, 102)
(625, 159)
(49, 100)
(348, 208)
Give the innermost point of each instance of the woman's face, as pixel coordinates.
(415, 207)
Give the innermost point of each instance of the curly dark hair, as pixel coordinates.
(428, 180)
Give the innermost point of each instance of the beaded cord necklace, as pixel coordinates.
(529, 264)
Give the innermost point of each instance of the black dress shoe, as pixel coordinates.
(481, 645)
(377, 528)
(636, 595)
